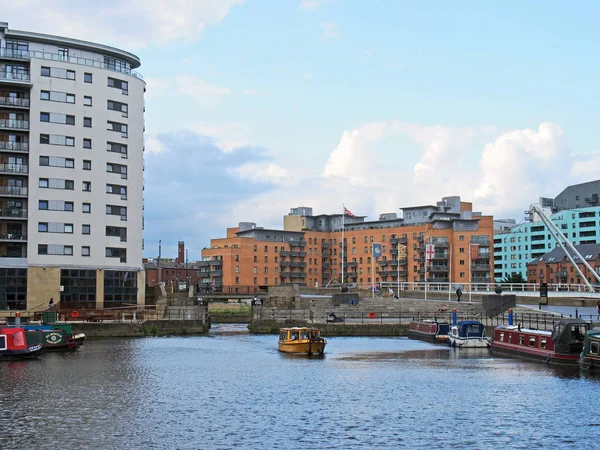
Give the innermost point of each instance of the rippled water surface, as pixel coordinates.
(234, 390)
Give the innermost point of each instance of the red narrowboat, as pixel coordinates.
(559, 347)
(429, 330)
(13, 345)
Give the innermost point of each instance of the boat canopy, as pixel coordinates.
(14, 339)
(470, 328)
(568, 335)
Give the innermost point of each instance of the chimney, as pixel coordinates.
(180, 252)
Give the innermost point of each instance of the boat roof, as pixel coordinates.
(468, 322)
(297, 329)
(524, 330)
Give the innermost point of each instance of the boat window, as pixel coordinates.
(521, 339)
(594, 347)
(315, 334)
(304, 334)
(543, 343)
(501, 338)
(2, 342)
(532, 341)
(510, 338)
(283, 335)
(294, 336)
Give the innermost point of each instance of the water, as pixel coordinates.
(234, 390)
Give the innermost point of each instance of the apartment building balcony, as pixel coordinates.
(393, 251)
(215, 262)
(482, 280)
(326, 265)
(402, 240)
(420, 239)
(14, 168)
(284, 274)
(440, 243)
(382, 263)
(297, 274)
(325, 255)
(325, 244)
(562, 274)
(13, 213)
(438, 268)
(297, 244)
(351, 274)
(437, 280)
(13, 191)
(13, 252)
(14, 102)
(14, 146)
(284, 253)
(352, 264)
(298, 264)
(483, 241)
(438, 256)
(13, 237)
(216, 273)
(14, 124)
(297, 254)
(285, 263)
(421, 260)
(480, 267)
(15, 76)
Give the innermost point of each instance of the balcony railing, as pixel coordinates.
(562, 274)
(14, 124)
(480, 267)
(480, 240)
(14, 168)
(284, 253)
(14, 76)
(13, 212)
(13, 237)
(13, 101)
(438, 268)
(14, 146)
(13, 253)
(13, 190)
(28, 54)
(284, 263)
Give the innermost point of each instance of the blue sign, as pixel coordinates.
(376, 250)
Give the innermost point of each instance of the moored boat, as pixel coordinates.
(54, 337)
(430, 330)
(590, 354)
(560, 347)
(468, 334)
(13, 345)
(301, 340)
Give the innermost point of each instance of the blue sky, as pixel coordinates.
(255, 107)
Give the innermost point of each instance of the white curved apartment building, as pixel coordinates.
(71, 173)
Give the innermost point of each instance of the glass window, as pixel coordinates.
(87, 164)
(85, 251)
(86, 207)
(87, 77)
(87, 122)
(87, 100)
(87, 143)
(86, 229)
(43, 227)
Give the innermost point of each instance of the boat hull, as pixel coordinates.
(469, 343)
(551, 358)
(429, 331)
(303, 347)
(20, 355)
(590, 363)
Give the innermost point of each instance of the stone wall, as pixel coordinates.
(43, 283)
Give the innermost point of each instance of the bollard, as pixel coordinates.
(454, 316)
(17, 319)
(510, 316)
(576, 313)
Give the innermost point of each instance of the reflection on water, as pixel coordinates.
(235, 390)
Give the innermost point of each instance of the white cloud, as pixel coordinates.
(308, 5)
(266, 173)
(202, 91)
(330, 30)
(127, 24)
(309, 76)
(227, 136)
(153, 145)
(155, 87)
(586, 165)
(252, 92)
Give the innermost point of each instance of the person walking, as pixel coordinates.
(51, 303)
(458, 294)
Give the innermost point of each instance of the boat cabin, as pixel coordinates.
(468, 329)
(12, 339)
(298, 334)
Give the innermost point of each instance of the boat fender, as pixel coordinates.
(75, 313)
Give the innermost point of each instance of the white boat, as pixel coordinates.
(468, 334)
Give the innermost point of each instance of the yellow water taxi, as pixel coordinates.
(301, 340)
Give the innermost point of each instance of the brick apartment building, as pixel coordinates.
(554, 267)
(308, 251)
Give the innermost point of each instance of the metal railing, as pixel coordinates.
(14, 146)
(13, 212)
(29, 54)
(14, 123)
(14, 168)
(14, 101)
(16, 76)
(13, 236)
(13, 190)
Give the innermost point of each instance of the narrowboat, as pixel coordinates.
(301, 340)
(468, 334)
(430, 330)
(590, 355)
(52, 339)
(560, 347)
(13, 345)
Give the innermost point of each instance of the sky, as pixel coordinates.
(254, 107)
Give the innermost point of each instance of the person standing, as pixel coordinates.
(391, 292)
(598, 308)
(458, 294)
(51, 303)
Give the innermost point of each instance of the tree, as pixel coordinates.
(514, 278)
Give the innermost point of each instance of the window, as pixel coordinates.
(87, 186)
(45, 71)
(43, 182)
(118, 84)
(87, 164)
(56, 72)
(87, 100)
(43, 227)
(87, 143)
(55, 139)
(118, 190)
(117, 106)
(115, 252)
(117, 148)
(114, 64)
(45, 249)
(55, 96)
(120, 232)
(117, 168)
(86, 207)
(87, 122)
(56, 161)
(118, 127)
(63, 53)
(85, 251)
(86, 229)
(87, 77)
(68, 228)
(115, 210)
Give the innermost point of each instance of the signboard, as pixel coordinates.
(543, 293)
(376, 251)
(62, 289)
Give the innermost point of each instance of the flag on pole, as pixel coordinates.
(474, 252)
(429, 251)
(348, 213)
(376, 250)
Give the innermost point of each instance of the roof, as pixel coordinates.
(590, 252)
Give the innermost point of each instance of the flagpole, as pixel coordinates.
(343, 214)
(449, 271)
